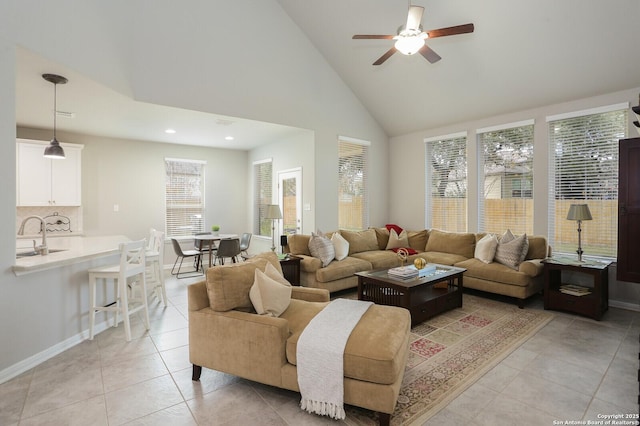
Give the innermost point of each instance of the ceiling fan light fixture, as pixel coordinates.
(408, 44)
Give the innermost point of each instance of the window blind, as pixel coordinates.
(353, 209)
(263, 196)
(446, 183)
(184, 197)
(506, 184)
(583, 169)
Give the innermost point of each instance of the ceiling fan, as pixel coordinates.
(411, 39)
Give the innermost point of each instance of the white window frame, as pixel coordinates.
(599, 236)
(263, 196)
(188, 196)
(453, 219)
(520, 226)
(344, 197)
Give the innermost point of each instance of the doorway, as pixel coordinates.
(290, 200)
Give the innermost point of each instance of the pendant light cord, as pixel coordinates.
(55, 108)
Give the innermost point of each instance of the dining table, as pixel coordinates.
(210, 239)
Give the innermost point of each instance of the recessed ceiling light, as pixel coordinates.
(228, 138)
(170, 131)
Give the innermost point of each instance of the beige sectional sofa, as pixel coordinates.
(367, 251)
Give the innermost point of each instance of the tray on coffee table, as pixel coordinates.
(419, 294)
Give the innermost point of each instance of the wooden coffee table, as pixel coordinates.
(418, 295)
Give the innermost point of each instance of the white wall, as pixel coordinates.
(131, 174)
(407, 194)
(126, 46)
(296, 151)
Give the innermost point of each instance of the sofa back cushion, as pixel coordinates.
(299, 244)
(459, 243)
(382, 235)
(538, 247)
(418, 239)
(360, 241)
(228, 285)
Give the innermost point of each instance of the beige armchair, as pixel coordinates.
(225, 335)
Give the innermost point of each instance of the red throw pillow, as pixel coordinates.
(408, 249)
(391, 226)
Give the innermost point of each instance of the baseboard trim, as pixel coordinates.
(624, 305)
(33, 361)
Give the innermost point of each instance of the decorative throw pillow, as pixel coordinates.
(322, 248)
(510, 248)
(391, 226)
(340, 246)
(268, 296)
(276, 275)
(486, 248)
(397, 241)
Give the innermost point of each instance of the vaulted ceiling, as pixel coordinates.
(520, 56)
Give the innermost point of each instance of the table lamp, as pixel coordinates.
(273, 213)
(579, 212)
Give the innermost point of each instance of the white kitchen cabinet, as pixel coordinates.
(46, 182)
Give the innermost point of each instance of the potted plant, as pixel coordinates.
(215, 229)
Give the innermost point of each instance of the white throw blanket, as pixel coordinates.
(320, 354)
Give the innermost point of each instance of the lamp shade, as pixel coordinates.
(273, 212)
(579, 212)
(54, 150)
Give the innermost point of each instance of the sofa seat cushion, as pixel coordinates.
(374, 350)
(498, 272)
(339, 269)
(379, 258)
(442, 258)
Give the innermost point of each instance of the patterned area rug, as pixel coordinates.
(450, 352)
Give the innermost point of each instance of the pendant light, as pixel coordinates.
(54, 150)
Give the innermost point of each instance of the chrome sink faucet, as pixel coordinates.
(42, 249)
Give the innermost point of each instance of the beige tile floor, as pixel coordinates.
(572, 369)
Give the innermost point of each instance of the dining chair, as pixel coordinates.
(181, 255)
(245, 240)
(131, 271)
(229, 247)
(155, 265)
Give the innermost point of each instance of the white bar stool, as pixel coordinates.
(132, 267)
(155, 271)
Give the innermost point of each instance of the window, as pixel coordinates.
(583, 169)
(446, 183)
(263, 196)
(184, 197)
(353, 209)
(506, 165)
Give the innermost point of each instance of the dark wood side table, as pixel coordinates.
(592, 305)
(291, 269)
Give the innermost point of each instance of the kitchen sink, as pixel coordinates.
(35, 253)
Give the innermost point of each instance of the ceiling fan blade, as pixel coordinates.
(414, 18)
(458, 29)
(372, 37)
(386, 56)
(429, 54)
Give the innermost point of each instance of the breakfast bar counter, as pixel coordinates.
(66, 251)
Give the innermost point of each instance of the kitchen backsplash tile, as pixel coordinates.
(68, 222)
